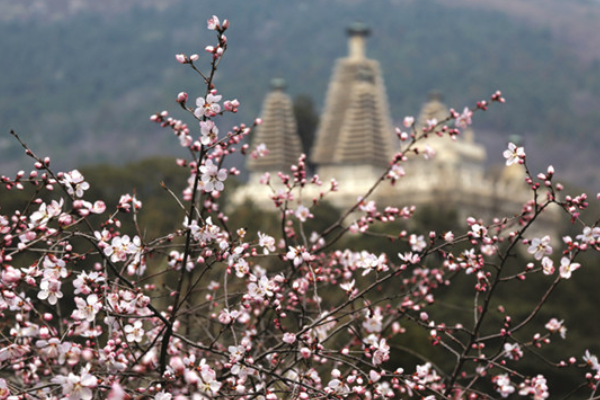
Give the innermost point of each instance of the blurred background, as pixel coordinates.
(79, 79)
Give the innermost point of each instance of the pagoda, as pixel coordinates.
(355, 139)
(278, 133)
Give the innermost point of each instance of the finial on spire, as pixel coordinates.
(278, 84)
(357, 32)
(358, 29)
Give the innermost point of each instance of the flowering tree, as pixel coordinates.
(212, 311)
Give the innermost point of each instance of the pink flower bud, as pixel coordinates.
(181, 58)
(213, 23)
(194, 57)
(182, 97)
(289, 337)
(305, 352)
(374, 376)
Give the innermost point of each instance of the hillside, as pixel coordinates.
(88, 78)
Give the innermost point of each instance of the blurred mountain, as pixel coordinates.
(79, 79)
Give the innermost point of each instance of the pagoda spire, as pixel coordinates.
(355, 126)
(357, 34)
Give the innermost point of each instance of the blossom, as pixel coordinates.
(213, 23)
(478, 231)
(348, 286)
(121, 246)
(431, 123)
(536, 387)
(261, 150)
(336, 386)
(371, 262)
(555, 326)
(87, 309)
(513, 154)
(540, 247)
(264, 288)
(50, 348)
(46, 212)
(384, 390)
(302, 213)
(591, 360)
(77, 386)
(589, 235)
(50, 290)
(409, 257)
(209, 132)
(567, 267)
(212, 176)
(289, 338)
(464, 119)
(417, 243)
(547, 266)
(374, 321)
(241, 267)
(381, 353)
(135, 332)
(505, 388)
(127, 200)
(396, 172)
(4, 390)
(428, 152)
(513, 351)
(237, 352)
(266, 242)
(209, 383)
(75, 183)
(207, 107)
(226, 317)
(298, 255)
(408, 121)
(163, 396)
(425, 374)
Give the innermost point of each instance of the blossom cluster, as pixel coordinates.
(215, 310)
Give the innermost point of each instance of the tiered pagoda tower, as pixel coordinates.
(278, 132)
(355, 138)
